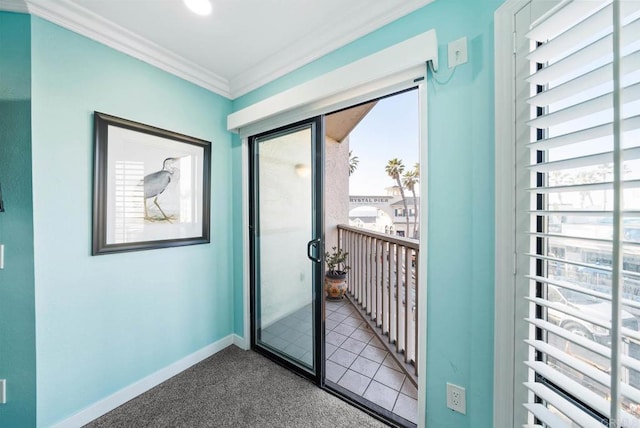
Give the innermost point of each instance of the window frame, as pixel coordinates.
(509, 372)
(504, 292)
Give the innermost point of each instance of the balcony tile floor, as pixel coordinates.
(357, 361)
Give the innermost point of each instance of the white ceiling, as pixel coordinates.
(242, 45)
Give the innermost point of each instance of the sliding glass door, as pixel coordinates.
(286, 245)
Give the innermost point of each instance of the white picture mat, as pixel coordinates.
(131, 156)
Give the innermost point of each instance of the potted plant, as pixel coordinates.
(335, 279)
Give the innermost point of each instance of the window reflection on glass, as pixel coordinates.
(129, 200)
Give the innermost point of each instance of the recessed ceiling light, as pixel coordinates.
(201, 7)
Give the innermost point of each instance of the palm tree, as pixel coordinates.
(353, 163)
(409, 180)
(394, 169)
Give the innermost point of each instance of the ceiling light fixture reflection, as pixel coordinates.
(201, 7)
(302, 170)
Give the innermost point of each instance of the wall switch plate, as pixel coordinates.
(456, 398)
(3, 391)
(457, 52)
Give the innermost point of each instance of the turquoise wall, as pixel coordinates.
(460, 172)
(17, 312)
(106, 322)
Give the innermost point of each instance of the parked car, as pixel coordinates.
(591, 307)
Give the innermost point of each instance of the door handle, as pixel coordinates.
(310, 244)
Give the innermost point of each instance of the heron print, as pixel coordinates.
(156, 183)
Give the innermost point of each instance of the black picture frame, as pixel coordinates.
(151, 187)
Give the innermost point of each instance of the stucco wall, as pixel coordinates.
(336, 189)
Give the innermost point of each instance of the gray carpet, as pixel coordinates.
(236, 388)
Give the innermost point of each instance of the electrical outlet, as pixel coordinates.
(3, 391)
(456, 398)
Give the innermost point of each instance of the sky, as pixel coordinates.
(390, 130)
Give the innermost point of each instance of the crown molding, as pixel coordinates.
(332, 36)
(317, 44)
(82, 21)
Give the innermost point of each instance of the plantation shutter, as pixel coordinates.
(584, 218)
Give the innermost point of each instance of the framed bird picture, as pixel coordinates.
(151, 187)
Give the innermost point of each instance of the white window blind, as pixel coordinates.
(584, 217)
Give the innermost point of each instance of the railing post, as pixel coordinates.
(393, 293)
(354, 251)
(365, 278)
(398, 296)
(392, 287)
(359, 258)
(369, 277)
(349, 247)
(380, 282)
(384, 313)
(357, 271)
(407, 301)
(365, 265)
(374, 280)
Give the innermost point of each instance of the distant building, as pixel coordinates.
(384, 214)
(364, 222)
(399, 216)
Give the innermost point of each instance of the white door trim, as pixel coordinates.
(422, 261)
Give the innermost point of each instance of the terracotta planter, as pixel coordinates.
(335, 285)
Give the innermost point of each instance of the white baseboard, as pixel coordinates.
(120, 397)
(240, 342)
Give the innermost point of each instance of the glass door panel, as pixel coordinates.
(286, 246)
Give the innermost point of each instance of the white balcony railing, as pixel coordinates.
(383, 267)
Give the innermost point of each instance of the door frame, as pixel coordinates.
(356, 97)
(317, 160)
(315, 98)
